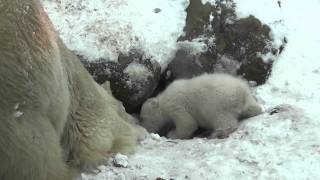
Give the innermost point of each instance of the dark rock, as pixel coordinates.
(284, 42)
(102, 70)
(198, 16)
(235, 46)
(157, 10)
(279, 3)
(140, 79)
(244, 40)
(186, 65)
(159, 178)
(132, 79)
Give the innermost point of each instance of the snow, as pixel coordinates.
(227, 65)
(120, 160)
(17, 113)
(284, 145)
(103, 28)
(194, 47)
(138, 77)
(137, 73)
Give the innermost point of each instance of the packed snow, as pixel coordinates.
(282, 143)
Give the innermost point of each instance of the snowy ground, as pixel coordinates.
(285, 145)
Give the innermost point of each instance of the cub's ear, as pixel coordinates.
(153, 102)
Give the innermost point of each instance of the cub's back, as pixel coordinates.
(217, 81)
(205, 88)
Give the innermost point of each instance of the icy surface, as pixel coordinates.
(284, 145)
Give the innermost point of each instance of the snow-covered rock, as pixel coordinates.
(120, 160)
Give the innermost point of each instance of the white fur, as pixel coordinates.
(55, 121)
(211, 101)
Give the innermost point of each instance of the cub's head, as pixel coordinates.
(151, 115)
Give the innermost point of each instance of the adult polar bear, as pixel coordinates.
(54, 119)
(210, 101)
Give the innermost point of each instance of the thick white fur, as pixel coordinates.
(211, 101)
(54, 119)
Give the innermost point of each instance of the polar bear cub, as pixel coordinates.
(210, 101)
